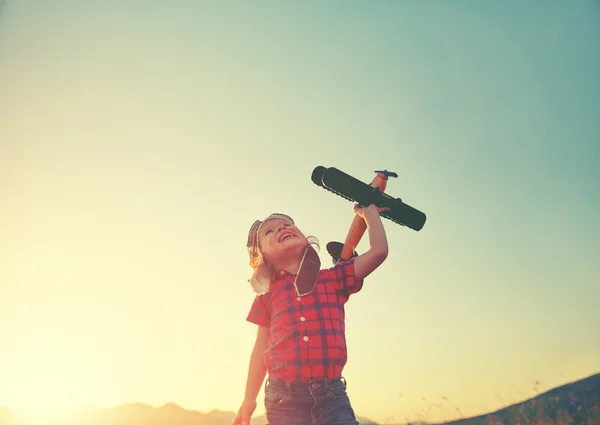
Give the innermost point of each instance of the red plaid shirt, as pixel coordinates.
(306, 334)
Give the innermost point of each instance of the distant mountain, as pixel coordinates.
(576, 403)
(139, 414)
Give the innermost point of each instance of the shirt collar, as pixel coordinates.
(281, 274)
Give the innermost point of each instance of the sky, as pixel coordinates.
(139, 141)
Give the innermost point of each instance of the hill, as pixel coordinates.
(575, 403)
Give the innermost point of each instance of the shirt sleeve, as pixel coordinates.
(259, 313)
(346, 282)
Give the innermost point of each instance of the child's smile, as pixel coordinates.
(286, 234)
(279, 236)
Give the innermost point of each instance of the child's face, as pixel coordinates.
(279, 237)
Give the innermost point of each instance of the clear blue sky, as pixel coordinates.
(138, 142)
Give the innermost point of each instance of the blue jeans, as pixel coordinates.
(321, 402)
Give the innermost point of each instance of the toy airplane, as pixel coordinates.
(354, 190)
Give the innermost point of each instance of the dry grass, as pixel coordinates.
(580, 407)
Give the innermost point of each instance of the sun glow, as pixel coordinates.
(37, 416)
(42, 391)
(48, 377)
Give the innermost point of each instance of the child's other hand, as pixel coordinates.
(245, 413)
(361, 211)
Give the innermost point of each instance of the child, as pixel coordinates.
(299, 310)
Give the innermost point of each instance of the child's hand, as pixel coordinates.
(361, 211)
(245, 413)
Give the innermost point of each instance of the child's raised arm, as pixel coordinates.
(367, 262)
(256, 376)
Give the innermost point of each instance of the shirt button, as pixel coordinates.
(302, 319)
(305, 338)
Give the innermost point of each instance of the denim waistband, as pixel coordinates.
(307, 386)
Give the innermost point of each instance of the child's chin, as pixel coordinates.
(292, 245)
(290, 241)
